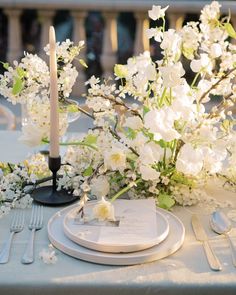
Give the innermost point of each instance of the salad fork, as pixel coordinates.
(36, 223)
(16, 226)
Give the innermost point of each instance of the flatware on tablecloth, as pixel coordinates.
(16, 226)
(36, 223)
(221, 224)
(202, 237)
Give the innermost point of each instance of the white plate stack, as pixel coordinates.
(141, 233)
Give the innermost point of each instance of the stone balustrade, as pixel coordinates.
(110, 9)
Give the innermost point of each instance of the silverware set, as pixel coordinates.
(17, 225)
(220, 224)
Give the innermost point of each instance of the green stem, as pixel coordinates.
(174, 149)
(195, 79)
(73, 143)
(170, 95)
(164, 24)
(164, 159)
(124, 190)
(162, 97)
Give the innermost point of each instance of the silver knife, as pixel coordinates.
(202, 237)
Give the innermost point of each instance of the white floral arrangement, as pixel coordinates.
(161, 142)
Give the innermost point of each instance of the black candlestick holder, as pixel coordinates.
(49, 195)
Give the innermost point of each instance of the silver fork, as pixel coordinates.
(36, 223)
(16, 226)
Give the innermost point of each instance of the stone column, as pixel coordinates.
(176, 20)
(233, 22)
(46, 20)
(14, 51)
(141, 41)
(109, 48)
(79, 34)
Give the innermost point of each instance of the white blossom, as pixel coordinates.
(156, 33)
(100, 186)
(216, 50)
(172, 74)
(31, 135)
(150, 153)
(203, 64)
(171, 44)
(149, 173)
(157, 12)
(115, 159)
(161, 124)
(190, 160)
(104, 210)
(133, 122)
(48, 256)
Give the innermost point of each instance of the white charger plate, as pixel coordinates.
(170, 245)
(89, 235)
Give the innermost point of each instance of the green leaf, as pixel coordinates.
(83, 63)
(72, 108)
(181, 178)
(165, 201)
(5, 65)
(88, 171)
(120, 71)
(5, 167)
(130, 133)
(145, 110)
(226, 125)
(188, 52)
(20, 72)
(90, 139)
(132, 164)
(162, 143)
(148, 134)
(17, 86)
(230, 30)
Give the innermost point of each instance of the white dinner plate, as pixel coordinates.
(170, 245)
(130, 236)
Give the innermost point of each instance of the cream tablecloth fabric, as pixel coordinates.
(185, 272)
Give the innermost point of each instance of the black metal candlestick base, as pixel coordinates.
(46, 196)
(49, 195)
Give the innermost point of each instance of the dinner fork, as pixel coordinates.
(16, 226)
(36, 223)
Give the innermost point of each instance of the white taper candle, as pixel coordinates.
(54, 114)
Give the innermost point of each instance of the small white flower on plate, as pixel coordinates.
(104, 210)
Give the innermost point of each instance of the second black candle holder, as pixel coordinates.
(49, 195)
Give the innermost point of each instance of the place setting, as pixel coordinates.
(143, 234)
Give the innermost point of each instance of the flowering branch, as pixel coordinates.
(71, 143)
(216, 84)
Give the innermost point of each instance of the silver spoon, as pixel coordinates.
(221, 224)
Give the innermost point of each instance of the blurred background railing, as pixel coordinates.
(113, 30)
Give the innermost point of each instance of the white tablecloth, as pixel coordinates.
(185, 272)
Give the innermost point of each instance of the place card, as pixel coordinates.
(137, 223)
